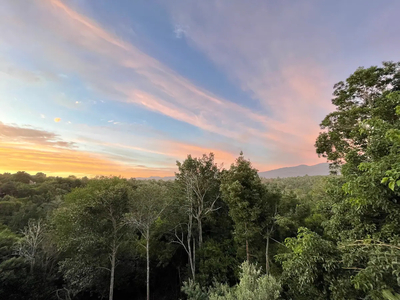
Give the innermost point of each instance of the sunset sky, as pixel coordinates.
(90, 87)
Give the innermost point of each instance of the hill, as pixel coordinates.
(301, 170)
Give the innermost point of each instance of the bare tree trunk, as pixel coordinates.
(247, 251)
(200, 232)
(267, 256)
(194, 260)
(191, 254)
(113, 257)
(148, 265)
(247, 245)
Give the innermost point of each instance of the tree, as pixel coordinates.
(199, 179)
(252, 206)
(93, 220)
(362, 136)
(252, 285)
(28, 247)
(22, 177)
(309, 266)
(362, 97)
(149, 201)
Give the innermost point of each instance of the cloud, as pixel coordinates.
(31, 136)
(65, 162)
(176, 97)
(78, 45)
(35, 150)
(42, 116)
(57, 120)
(26, 75)
(273, 52)
(180, 31)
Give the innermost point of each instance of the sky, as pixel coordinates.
(99, 87)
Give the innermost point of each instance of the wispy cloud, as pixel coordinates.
(35, 150)
(262, 48)
(171, 94)
(80, 46)
(66, 162)
(31, 136)
(180, 30)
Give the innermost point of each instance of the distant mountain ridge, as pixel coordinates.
(301, 170)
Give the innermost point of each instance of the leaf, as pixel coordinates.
(385, 179)
(398, 182)
(391, 185)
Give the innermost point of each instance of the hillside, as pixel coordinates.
(302, 170)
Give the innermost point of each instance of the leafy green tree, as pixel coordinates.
(199, 181)
(22, 177)
(252, 285)
(362, 136)
(252, 207)
(92, 222)
(309, 266)
(242, 190)
(362, 98)
(148, 203)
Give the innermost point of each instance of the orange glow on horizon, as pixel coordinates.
(64, 162)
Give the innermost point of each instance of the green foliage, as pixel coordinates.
(243, 191)
(389, 296)
(363, 135)
(91, 227)
(309, 265)
(252, 285)
(333, 237)
(193, 291)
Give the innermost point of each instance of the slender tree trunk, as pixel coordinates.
(267, 256)
(247, 251)
(191, 252)
(148, 265)
(247, 245)
(189, 246)
(113, 257)
(32, 263)
(194, 260)
(200, 225)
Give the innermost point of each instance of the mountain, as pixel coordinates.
(302, 170)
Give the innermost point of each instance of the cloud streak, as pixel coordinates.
(26, 135)
(75, 44)
(35, 150)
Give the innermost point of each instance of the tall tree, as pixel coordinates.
(363, 216)
(199, 180)
(92, 219)
(149, 201)
(28, 247)
(243, 191)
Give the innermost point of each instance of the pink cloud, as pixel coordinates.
(66, 37)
